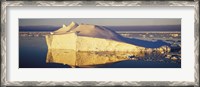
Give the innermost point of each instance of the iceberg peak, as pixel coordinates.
(64, 26)
(73, 23)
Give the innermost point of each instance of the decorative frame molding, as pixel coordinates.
(5, 4)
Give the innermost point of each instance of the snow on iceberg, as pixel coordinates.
(87, 37)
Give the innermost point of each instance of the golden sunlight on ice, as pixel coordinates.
(88, 45)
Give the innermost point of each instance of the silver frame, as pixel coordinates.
(5, 4)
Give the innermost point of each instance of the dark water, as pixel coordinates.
(33, 54)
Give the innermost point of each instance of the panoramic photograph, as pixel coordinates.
(99, 43)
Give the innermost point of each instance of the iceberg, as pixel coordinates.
(88, 37)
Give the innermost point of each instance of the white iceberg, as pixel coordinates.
(87, 37)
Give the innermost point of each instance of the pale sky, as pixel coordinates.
(101, 21)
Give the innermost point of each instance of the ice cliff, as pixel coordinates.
(86, 37)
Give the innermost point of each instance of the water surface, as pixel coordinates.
(33, 53)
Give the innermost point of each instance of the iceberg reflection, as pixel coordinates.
(88, 58)
(99, 58)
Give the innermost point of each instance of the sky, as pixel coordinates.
(101, 21)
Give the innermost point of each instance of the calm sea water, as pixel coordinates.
(33, 54)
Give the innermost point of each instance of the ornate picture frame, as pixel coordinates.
(6, 4)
